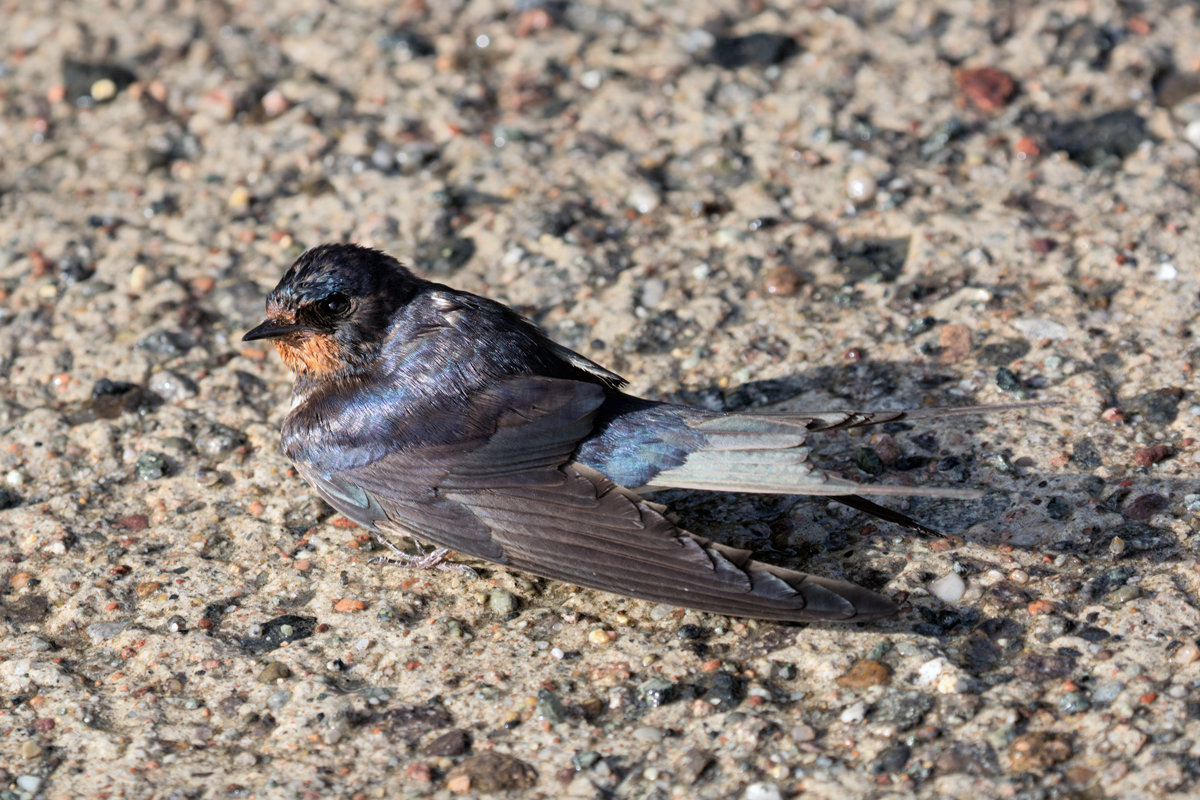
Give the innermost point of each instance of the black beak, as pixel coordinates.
(272, 329)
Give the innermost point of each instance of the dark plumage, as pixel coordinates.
(447, 417)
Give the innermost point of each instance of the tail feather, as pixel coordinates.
(767, 453)
(783, 423)
(886, 514)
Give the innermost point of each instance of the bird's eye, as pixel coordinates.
(334, 304)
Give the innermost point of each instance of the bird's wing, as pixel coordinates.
(516, 498)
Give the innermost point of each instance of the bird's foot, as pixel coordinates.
(433, 560)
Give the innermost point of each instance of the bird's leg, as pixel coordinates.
(433, 560)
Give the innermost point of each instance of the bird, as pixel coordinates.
(423, 411)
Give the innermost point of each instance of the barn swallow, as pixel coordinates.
(447, 417)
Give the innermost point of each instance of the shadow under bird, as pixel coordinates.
(446, 417)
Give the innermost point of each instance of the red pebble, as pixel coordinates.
(987, 88)
(419, 771)
(1152, 455)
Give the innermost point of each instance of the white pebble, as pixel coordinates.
(30, 783)
(1192, 133)
(991, 577)
(557, 653)
(803, 733)
(949, 588)
(660, 611)
(643, 198)
(15, 478)
(950, 683)
(141, 278)
(860, 186)
(1037, 328)
(855, 713)
(648, 735)
(762, 791)
(172, 386)
(1186, 654)
(652, 292)
(930, 671)
(591, 79)
(1167, 272)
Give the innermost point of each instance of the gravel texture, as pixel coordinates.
(795, 205)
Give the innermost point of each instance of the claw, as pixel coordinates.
(433, 560)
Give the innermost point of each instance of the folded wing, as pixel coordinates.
(516, 498)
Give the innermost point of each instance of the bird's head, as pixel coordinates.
(330, 313)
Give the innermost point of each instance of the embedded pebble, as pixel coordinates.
(8, 498)
(239, 199)
(861, 186)
(549, 707)
(273, 672)
(931, 670)
(103, 631)
(866, 673)
(919, 326)
(1145, 506)
(1074, 703)
(30, 783)
(216, 440)
(949, 588)
(141, 278)
(987, 88)
(955, 342)
(643, 198)
(854, 714)
(762, 791)
(502, 602)
(648, 735)
(1192, 133)
(782, 281)
(172, 387)
(1186, 654)
(451, 743)
(656, 692)
(802, 733)
(653, 290)
(151, 466)
(1039, 328)
(692, 765)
